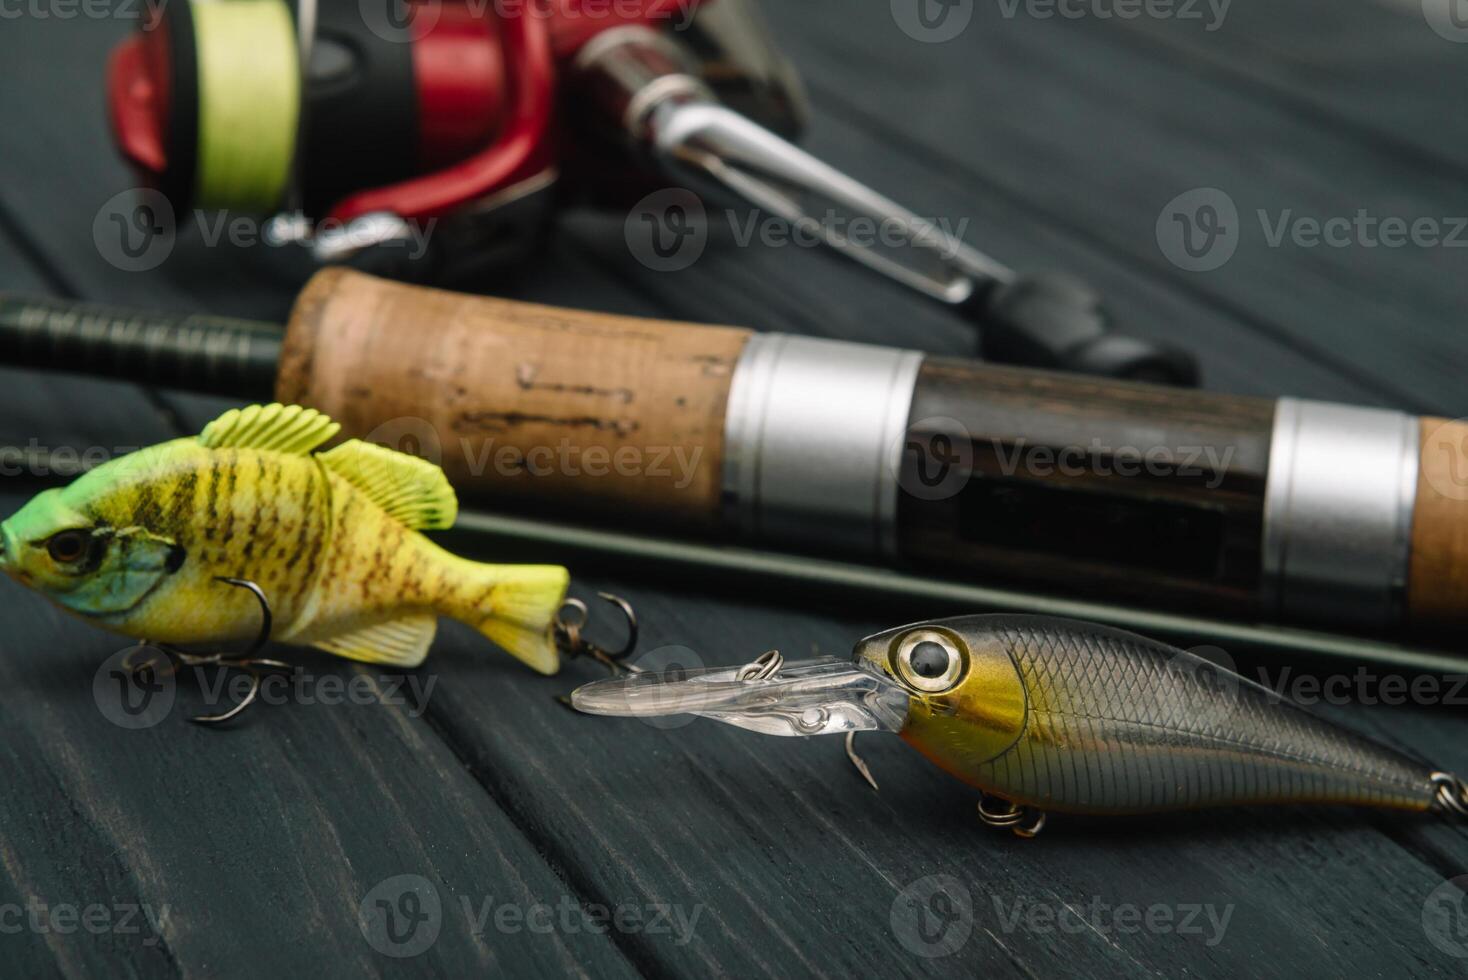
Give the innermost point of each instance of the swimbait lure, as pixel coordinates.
(141, 545)
(1047, 714)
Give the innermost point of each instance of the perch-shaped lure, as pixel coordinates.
(1047, 714)
(141, 545)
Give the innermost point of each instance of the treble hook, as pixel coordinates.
(247, 661)
(572, 642)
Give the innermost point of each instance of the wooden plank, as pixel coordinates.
(1374, 68)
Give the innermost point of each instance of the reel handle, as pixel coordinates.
(1058, 322)
(647, 81)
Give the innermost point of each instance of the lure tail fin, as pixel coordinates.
(515, 606)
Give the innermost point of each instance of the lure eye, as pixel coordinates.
(68, 546)
(928, 661)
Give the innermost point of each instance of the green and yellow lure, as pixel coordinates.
(139, 544)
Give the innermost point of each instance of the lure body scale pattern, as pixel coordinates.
(139, 544)
(1083, 718)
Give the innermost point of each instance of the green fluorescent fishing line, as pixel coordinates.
(249, 102)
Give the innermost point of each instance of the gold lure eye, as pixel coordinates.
(928, 661)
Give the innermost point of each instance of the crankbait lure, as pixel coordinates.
(1048, 714)
(327, 542)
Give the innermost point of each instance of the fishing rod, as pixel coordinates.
(360, 122)
(760, 571)
(1237, 508)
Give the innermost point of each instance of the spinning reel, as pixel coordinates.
(358, 122)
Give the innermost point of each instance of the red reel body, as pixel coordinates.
(440, 106)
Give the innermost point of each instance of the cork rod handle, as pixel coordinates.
(1437, 583)
(517, 401)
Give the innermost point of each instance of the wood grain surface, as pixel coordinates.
(556, 844)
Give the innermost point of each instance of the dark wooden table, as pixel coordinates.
(539, 843)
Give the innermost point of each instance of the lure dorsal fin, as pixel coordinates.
(275, 427)
(411, 490)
